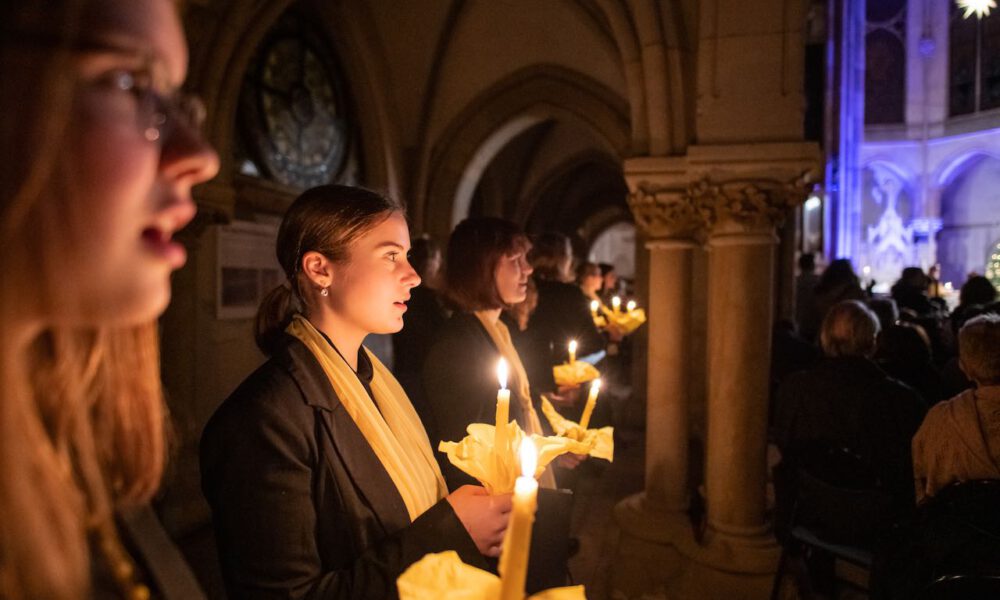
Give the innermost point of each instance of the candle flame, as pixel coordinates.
(502, 373)
(631, 305)
(572, 346)
(616, 301)
(594, 305)
(595, 385)
(529, 457)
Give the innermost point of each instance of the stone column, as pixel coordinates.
(669, 374)
(740, 305)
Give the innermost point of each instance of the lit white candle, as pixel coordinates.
(517, 540)
(630, 306)
(594, 305)
(616, 304)
(588, 409)
(572, 351)
(503, 409)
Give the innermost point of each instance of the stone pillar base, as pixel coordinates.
(657, 554)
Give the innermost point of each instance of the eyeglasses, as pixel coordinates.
(159, 114)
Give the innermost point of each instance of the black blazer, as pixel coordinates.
(301, 505)
(563, 314)
(460, 387)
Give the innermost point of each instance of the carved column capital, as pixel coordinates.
(664, 212)
(748, 204)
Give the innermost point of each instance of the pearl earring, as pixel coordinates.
(324, 292)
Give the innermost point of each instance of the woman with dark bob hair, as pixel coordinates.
(319, 473)
(487, 270)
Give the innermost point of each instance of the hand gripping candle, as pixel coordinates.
(503, 409)
(517, 540)
(572, 351)
(588, 409)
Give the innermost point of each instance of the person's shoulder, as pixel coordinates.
(270, 390)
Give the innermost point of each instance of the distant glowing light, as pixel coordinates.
(981, 8)
(812, 203)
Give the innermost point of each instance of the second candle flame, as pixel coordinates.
(529, 457)
(502, 373)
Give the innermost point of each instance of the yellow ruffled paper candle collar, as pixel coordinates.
(627, 321)
(574, 373)
(443, 576)
(599, 443)
(498, 470)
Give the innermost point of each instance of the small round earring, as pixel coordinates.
(324, 292)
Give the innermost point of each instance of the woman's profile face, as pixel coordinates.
(370, 290)
(511, 277)
(133, 159)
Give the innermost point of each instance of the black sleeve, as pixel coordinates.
(258, 458)
(588, 335)
(460, 388)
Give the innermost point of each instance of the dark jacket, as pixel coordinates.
(851, 403)
(301, 505)
(460, 386)
(563, 314)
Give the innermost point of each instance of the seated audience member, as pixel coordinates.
(904, 352)
(847, 401)
(911, 291)
(425, 315)
(806, 316)
(976, 292)
(886, 311)
(960, 438)
(837, 283)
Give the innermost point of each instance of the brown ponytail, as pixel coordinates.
(325, 219)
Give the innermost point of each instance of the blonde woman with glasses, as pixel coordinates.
(100, 153)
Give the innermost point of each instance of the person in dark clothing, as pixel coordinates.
(806, 316)
(904, 352)
(563, 312)
(911, 291)
(847, 401)
(320, 476)
(425, 315)
(838, 282)
(977, 291)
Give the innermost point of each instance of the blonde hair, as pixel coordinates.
(979, 349)
(81, 409)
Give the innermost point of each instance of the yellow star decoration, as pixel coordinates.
(599, 443)
(498, 471)
(443, 576)
(980, 8)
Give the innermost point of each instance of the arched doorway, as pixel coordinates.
(970, 218)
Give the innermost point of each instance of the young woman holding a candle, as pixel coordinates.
(487, 270)
(100, 153)
(319, 473)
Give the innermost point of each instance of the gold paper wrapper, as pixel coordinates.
(574, 373)
(497, 471)
(443, 576)
(599, 443)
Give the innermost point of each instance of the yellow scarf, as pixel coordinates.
(395, 434)
(519, 382)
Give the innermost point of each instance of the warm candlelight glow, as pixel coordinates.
(517, 541)
(572, 351)
(502, 373)
(616, 303)
(500, 445)
(630, 306)
(588, 409)
(529, 458)
(594, 305)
